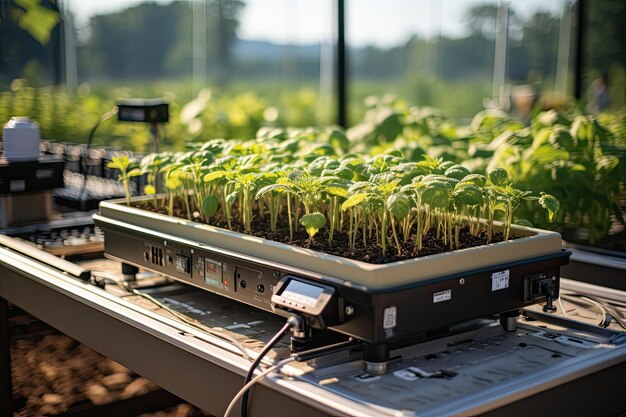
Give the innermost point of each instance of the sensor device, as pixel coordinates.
(318, 302)
(143, 110)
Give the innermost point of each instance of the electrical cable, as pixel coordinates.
(106, 116)
(194, 323)
(243, 391)
(602, 306)
(562, 307)
(257, 361)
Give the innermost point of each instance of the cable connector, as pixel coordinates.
(548, 289)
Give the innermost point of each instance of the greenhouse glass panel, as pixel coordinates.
(430, 53)
(241, 65)
(461, 56)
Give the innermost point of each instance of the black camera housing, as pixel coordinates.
(155, 110)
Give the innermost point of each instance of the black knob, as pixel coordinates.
(260, 288)
(242, 284)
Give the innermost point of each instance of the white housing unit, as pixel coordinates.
(21, 139)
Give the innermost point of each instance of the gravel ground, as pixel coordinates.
(53, 373)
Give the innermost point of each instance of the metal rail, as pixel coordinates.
(202, 370)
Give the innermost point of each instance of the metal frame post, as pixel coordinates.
(579, 60)
(341, 67)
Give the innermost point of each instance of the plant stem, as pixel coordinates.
(395, 235)
(126, 182)
(289, 217)
(383, 232)
(331, 212)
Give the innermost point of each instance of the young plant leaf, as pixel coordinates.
(232, 197)
(337, 191)
(498, 176)
(272, 187)
(551, 204)
(339, 140)
(457, 172)
(354, 200)
(210, 205)
(173, 183)
(476, 179)
(436, 194)
(313, 222)
(212, 176)
(467, 195)
(399, 205)
(523, 222)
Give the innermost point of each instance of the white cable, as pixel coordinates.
(253, 381)
(562, 308)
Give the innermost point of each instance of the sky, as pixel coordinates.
(369, 22)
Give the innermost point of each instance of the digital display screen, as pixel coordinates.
(302, 293)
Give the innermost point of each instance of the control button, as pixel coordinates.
(260, 288)
(242, 284)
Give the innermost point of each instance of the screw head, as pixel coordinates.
(349, 310)
(462, 281)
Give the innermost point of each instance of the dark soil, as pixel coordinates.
(366, 252)
(53, 374)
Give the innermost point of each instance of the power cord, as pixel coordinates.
(106, 116)
(257, 361)
(102, 278)
(349, 344)
(606, 310)
(246, 388)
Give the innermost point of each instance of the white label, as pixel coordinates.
(41, 174)
(442, 296)
(389, 317)
(500, 280)
(17, 186)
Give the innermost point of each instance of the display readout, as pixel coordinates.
(182, 264)
(301, 292)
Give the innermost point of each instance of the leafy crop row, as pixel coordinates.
(307, 179)
(580, 159)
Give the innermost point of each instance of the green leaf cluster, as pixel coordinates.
(295, 176)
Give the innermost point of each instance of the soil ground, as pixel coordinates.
(53, 373)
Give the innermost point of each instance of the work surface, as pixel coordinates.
(197, 348)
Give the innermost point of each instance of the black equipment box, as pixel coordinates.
(32, 176)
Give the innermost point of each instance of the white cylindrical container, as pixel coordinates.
(21, 139)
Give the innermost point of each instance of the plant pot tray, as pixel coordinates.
(373, 302)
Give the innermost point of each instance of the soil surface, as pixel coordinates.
(53, 373)
(366, 252)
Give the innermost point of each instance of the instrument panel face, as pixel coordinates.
(369, 316)
(233, 277)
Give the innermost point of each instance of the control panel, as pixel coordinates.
(231, 276)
